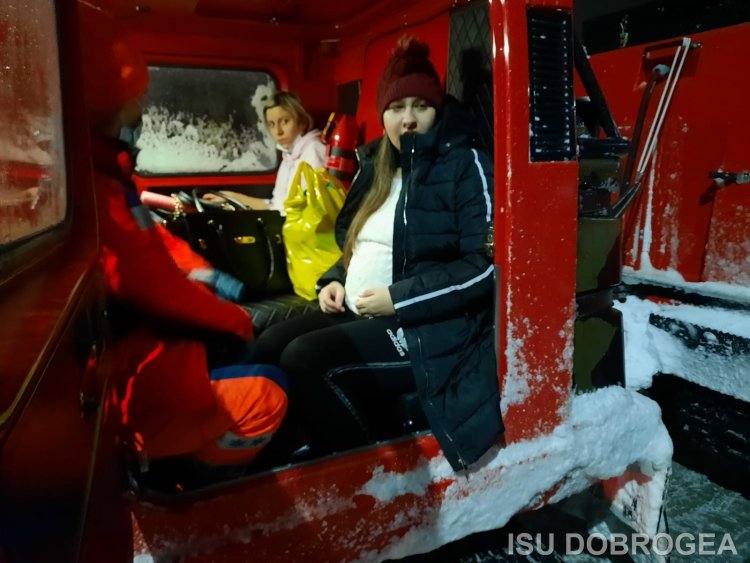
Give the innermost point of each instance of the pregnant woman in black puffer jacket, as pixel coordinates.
(410, 305)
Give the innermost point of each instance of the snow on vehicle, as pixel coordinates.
(570, 423)
(686, 297)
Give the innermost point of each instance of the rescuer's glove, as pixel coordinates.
(224, 285)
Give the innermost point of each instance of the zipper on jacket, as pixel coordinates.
(432, 406)
(359, 168)
(406, 200)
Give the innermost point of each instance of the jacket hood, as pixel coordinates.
(300, 144)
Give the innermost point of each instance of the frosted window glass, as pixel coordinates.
(205, 121)
(32, 157)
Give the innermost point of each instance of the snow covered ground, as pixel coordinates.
(694, 505)
(697, 506)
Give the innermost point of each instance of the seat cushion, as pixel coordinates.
(273, 310)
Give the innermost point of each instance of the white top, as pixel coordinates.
(371, 265)
(308, 148)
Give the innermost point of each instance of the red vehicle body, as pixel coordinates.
(699, 228)
(63, 496)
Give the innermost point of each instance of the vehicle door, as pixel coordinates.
(56, 484)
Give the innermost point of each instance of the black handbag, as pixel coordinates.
(245, 243)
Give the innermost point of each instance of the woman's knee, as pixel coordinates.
(302, 353)
(272, 342)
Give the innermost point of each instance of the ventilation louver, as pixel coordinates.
(551, 102)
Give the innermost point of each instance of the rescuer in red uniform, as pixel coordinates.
(173, 401)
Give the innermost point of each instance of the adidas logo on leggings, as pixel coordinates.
(398, 341)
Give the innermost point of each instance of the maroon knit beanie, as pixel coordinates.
(408, 73)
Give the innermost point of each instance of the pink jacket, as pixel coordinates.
(309, 148)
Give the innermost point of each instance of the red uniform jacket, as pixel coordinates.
(167, 404)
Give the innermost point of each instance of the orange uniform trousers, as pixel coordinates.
(173, 405)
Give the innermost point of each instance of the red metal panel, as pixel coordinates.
(315, 512)
(356, 39)
(536, 212)
(320, 14)
(48, 444)
(213, 49)
(728, 247)
(180, 182)
(704, 130)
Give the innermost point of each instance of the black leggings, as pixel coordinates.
(336, 363)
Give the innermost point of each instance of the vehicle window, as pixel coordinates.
(32, 157)
(205, 121)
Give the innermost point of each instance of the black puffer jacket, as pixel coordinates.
(443, 283)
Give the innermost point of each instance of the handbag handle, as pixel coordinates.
(201, 205)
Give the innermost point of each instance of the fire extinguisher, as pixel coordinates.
(340, 135)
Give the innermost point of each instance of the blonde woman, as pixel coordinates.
(292, 128)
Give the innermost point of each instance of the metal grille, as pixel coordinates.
(551, 102)
(469, 76)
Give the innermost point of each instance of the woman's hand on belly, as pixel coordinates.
(375, 302)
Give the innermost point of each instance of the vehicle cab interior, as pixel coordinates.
(204, 130)
(561, 163)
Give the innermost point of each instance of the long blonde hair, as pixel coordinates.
(385, 170)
